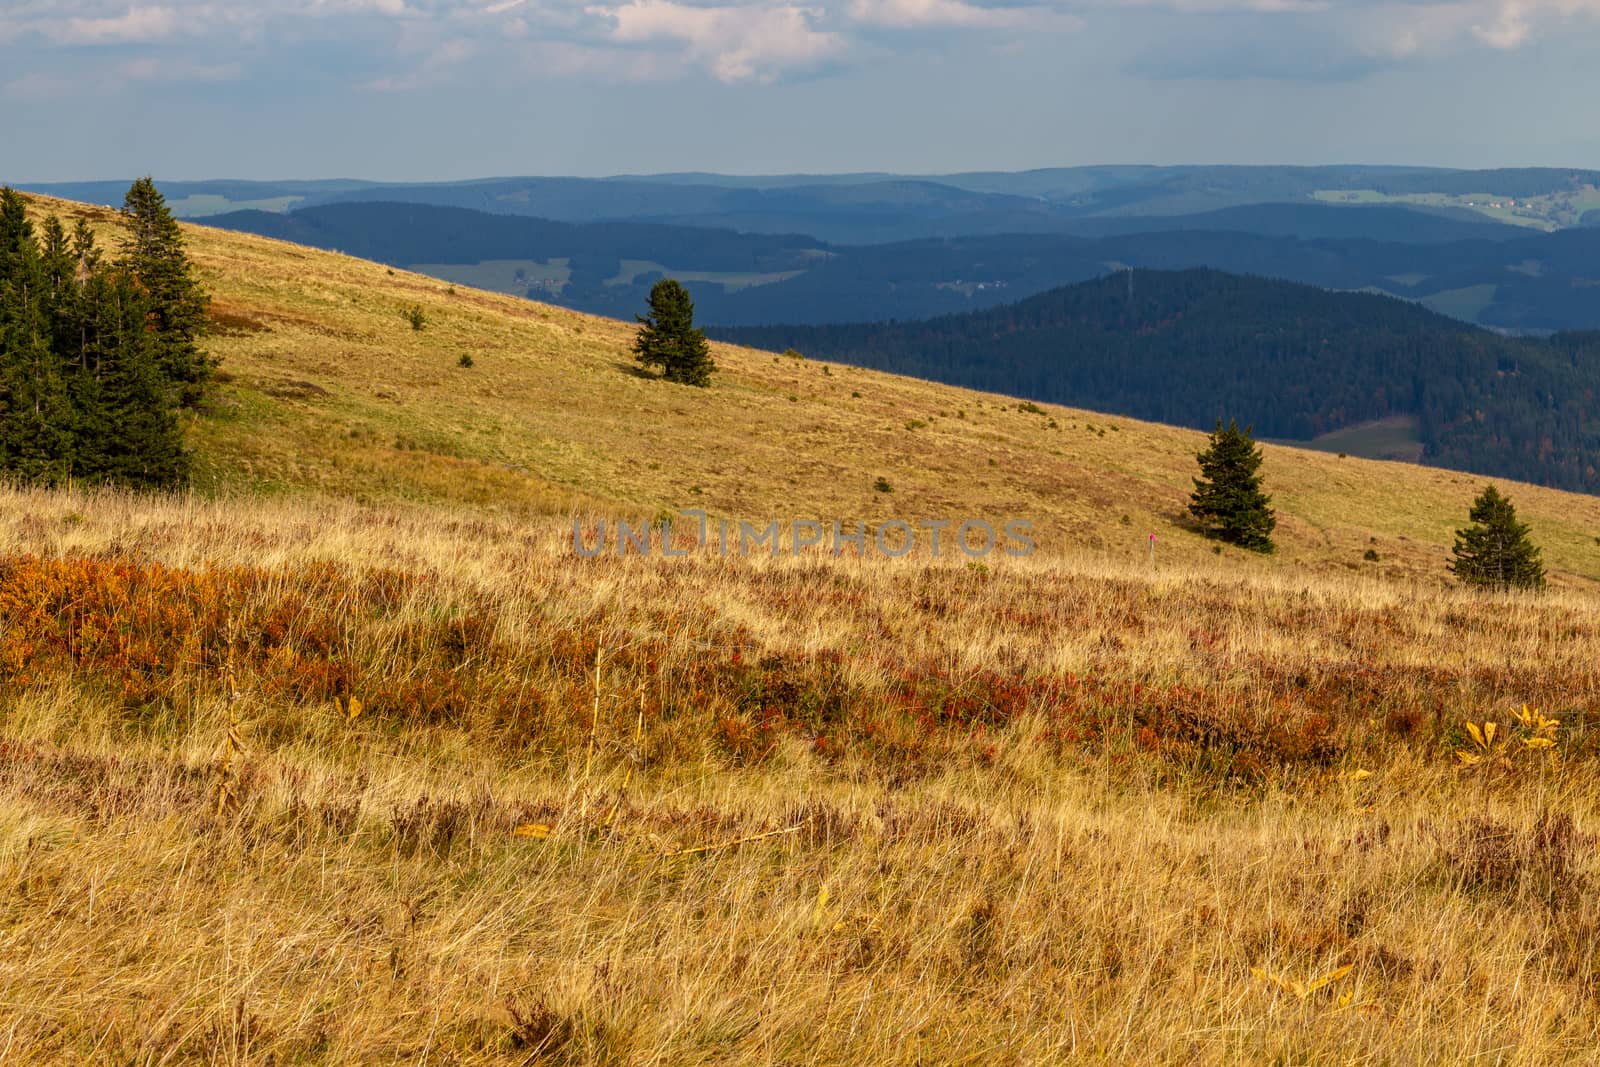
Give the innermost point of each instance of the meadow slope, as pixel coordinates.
(346, 757)
(327, 388)
(323, 783)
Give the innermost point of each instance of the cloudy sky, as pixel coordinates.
(434, 89)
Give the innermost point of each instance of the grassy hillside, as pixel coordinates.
(347, 758)
(327, 388)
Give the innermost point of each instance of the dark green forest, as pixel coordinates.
(97, 355)
(1192, 347)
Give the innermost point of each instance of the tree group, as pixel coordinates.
(668, 339)
(97, 356)
(1227, 496)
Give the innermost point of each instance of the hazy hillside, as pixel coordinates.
(1494, 275)
(1297, 362)
(865, 208)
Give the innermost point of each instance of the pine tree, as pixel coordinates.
(15, 231)
(1228, 497)
(153, 254)
(668, 339)
(35, 439)
(1495, 552)
(84, 384)
(125, 427)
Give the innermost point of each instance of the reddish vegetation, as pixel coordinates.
(157, 639)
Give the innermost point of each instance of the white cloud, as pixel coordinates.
(398, 44)
(432, 68)
(751, 42)
(911, 14)
(135, 24)
(169, 70)
(1216, 7)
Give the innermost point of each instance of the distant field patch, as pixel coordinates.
(1465, 304)
(1550, 211)
(198, 206)
(1397, 437)
(731, 281)
(1408, 280)
(514, 276)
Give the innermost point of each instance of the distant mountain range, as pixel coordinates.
(1506, 277)
(875, 208)
(1297, 362)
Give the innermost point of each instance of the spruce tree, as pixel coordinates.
(669, 340)
(15, 231)
(153, 254)
(1495, 552)
(85, 389)
(1228, 497)
(35, 438)
(125, 426)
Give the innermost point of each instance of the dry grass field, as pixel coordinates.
(347, 757)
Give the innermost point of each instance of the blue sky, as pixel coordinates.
(436, 89)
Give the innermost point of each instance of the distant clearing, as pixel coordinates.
(199, 205)
(1394, 438)
(633, 269)
(1465, 304)
(513, 276)
(1548, 212)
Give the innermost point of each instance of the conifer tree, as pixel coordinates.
(1228, 497)
(35, 441)
(153, 254)
(15, 231)
(1495, 551)
(85, 389)
(669, 340)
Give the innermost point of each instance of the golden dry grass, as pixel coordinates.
(1069, 808)
(998, 887)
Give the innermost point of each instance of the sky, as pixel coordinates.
(451, 89)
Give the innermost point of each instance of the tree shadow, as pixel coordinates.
(635, 371)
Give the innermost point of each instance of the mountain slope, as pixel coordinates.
(1192, 347)
(328, 390)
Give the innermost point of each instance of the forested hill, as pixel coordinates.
(1190, 347)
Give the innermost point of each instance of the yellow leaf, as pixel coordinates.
(1286, 984)
(532, 829)
(355, 708)
(1477, 734)
(1358, 775)
(822, 905)
(1330, 977)
(1467, 758)
(1538, 742)
(1488, 734)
